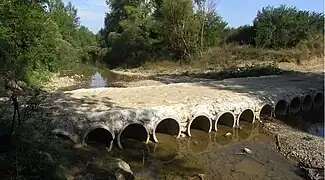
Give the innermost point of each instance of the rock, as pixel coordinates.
(123, 170)
(228, 134)
(246, 150)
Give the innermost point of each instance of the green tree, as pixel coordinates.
(283, 27)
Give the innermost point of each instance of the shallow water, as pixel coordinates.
(187, 158)
(91, 76)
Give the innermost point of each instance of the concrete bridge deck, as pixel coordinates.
(140, 112)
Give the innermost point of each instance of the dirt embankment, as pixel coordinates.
(313, 65)
(292, 143)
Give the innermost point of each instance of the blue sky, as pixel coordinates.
(235, 12)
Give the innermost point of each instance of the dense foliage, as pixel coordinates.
(138, 31)
(37, 37)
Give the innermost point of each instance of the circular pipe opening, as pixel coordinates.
(247, 115)
(167, 126)
(201, 122)
(63, 135)
(98, 135)
(294, 106)
(266, 112)
(133, 131)
(280, 108)
(226, 118)
(307, 103)
(318, 100)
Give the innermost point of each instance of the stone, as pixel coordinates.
(228, 134)
(123, 169)
(248, 151)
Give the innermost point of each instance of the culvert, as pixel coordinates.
(98, 133)
(167, 126)
(134, 131)
(294, 106)
(247, 115)
(65, 135)
(318, 100)
(200, 122)
(226, 119)
(266, 112)
(280, 108)
(307, 103)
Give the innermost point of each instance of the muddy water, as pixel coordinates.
(209, 155)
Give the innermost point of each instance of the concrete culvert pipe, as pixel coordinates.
(266, 112)
(201, 122)
(318, 100)
(307, 103)
(99, 134)
(247, 115)
(167, 126)
(281, 108)
(65, 135)
(294, 106)
(134, 131)
(225, 118)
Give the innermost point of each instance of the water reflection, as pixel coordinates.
(173, 157)
(199, 142)
(166, 150)
(91, 76)
(97, 81)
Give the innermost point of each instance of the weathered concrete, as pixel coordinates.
(177, 108)
(169, 126)
(318, 99)
(295, 105)
(306, 103)
(225, 118)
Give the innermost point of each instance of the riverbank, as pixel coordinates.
(155, 76)
(305, 148)
(274, 165)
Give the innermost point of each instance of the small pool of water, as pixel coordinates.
(91, 76)
(212, 155)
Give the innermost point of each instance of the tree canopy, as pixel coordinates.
(41, 36)
(137, 31)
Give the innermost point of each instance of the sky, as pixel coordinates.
(235, 12)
